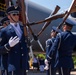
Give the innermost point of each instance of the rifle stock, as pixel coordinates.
(56, 10)
(47, 23)
(28, 24)
(54, 17)
(23, 10)
(68, 12)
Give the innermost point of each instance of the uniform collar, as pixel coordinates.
(13, 24)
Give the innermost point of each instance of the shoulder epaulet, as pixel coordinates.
(49, 40)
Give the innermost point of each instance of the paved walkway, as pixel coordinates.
(44, 73)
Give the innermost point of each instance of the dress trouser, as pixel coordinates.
(48, 72)
(61, 70)
(64, 71)
(4, 72)
(51, 70)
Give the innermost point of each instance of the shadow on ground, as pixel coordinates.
(35, 72)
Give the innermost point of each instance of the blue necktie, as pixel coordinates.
(18, 31)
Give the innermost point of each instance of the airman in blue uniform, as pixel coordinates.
(67, 43)
(13, 42)
(4, 57)
(5, 21)
(49, 44)
(1, 67)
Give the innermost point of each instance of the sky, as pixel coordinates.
(51, 4)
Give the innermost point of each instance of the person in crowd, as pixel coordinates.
(5, 21)
(4, 57)
(64, 44)
(49, 43)
(41, 64)
(1, 67)
(13, 43)
(35, 62)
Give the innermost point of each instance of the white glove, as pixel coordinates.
(46, 61)
(13, 41)
(46, 65)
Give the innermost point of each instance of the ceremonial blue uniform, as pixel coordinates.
(17, 55)
(4, 20)
(19, 52)
(0, 53)
(4, 54)
(49, 44)
(67, 43)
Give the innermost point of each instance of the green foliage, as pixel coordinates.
(41, 55)
(74, 59)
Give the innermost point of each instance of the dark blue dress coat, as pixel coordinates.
(17, 55)
(68, 42)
